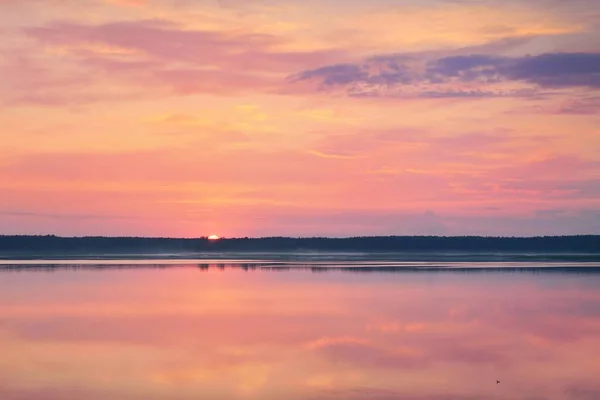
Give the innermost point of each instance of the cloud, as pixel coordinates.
(340, 74)
(333, 155)
(416, 145)
(556, 69)
(78, 63)
(62, 216)
(334, 341)
(157, 53)
(467, 67)
(475, 75)
(579, 106)
(556, 167)
(176, 167)
(161, 39)
(168, 41)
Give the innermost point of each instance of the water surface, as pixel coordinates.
(271, 331)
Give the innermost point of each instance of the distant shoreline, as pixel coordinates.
(395, 248)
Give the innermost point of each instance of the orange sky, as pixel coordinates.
(330, 117)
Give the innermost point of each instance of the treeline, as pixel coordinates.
(140, 245)
(440, 269)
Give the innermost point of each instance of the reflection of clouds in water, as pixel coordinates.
(361, 353)
(585, 391)
(232, 334)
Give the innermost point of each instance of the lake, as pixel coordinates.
(179, 330)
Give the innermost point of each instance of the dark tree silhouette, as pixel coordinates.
(382, 244)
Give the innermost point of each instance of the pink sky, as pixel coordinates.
(299, 117)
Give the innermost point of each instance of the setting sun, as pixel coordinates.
(213, 237)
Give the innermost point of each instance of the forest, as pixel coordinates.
(50, 244)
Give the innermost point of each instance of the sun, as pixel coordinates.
(213, 237)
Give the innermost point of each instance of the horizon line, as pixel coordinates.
(301, 237)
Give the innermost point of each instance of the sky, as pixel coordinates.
(299, 117)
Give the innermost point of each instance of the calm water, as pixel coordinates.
(192, 332)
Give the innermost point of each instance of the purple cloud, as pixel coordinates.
(464, 67)
(404, 73)
(556, 69)
(339, 74)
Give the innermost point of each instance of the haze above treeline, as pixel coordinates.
(50, 244)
